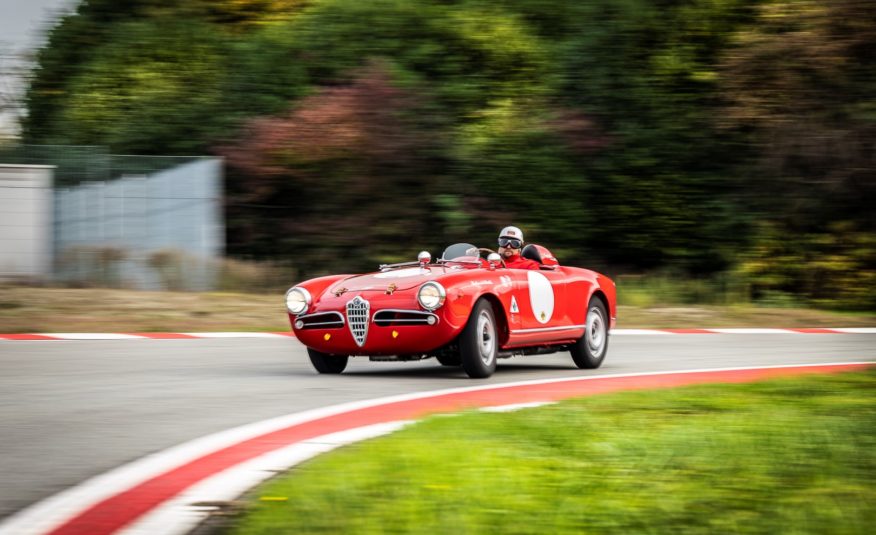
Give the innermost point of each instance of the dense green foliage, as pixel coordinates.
(785, 456)
(627, 135)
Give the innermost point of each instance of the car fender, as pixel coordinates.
(606, 288)
(318, 286)
(466, 288)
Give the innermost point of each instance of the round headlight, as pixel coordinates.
(297, 300)
(431, 295)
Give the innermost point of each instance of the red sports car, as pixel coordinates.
(463, 310)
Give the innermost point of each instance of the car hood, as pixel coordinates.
(403, 279)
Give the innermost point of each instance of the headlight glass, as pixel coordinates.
(297, 300)
(431, 295)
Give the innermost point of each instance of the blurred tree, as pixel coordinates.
(347, 176)
(801, 80)
(242, 14)
(520, 154)
(463, 58)
(84, 47)
(804, 78)
(147, 91)
(468, 53)
(831, 268)
(676, 134)
(663, 191)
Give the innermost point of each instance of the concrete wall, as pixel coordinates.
(25, 221)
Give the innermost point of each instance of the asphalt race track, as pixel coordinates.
(70, 410)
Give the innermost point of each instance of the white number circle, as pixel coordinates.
(541, 295)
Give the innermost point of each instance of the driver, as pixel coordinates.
(510, 243)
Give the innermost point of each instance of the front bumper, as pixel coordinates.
(385, 331)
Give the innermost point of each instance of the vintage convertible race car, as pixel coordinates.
(463, 309)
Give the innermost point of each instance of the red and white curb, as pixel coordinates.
(809, 330)
(165, 492)
(35, 337)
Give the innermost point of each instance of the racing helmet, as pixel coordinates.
(511, 232)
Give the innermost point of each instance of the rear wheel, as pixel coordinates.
(478, 343)
(589, 351)
(325, 363)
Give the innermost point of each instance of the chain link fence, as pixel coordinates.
(76, 164)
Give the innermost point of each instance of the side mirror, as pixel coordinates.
(424, 258)
(494, 259)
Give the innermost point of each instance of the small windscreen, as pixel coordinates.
(459, 250)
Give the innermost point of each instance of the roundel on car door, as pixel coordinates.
(541, 295)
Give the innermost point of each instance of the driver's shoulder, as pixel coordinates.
(524, 263)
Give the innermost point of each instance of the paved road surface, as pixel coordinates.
(71, 410)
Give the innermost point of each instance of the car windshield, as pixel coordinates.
(460, 252)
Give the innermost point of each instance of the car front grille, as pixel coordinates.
(357, 319)
(321, 320)
(391, 317)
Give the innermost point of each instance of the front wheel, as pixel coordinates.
(589, 351)
(325, 363)
(478, 342)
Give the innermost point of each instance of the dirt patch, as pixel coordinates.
(105, 310)
(25, 310)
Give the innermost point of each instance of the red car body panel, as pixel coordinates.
(532, 308)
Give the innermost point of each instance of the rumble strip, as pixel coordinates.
(34, 337)
(166, 492)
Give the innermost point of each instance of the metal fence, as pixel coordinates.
(159, 230)
(148, 222)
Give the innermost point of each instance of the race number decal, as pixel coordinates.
(541, 295)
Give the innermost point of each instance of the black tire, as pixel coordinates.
(325, 363)
(589, 351)
(478, 342)
(448, 359)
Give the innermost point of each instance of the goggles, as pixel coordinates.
(510, 243)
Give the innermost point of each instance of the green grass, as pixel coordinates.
(662, 290)
(784, 456)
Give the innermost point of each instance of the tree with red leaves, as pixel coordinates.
(348, 171)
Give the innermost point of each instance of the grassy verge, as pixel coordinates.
(784, 456)
(25, 309)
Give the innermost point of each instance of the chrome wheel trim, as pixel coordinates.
(595, 335)
(486, 338)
